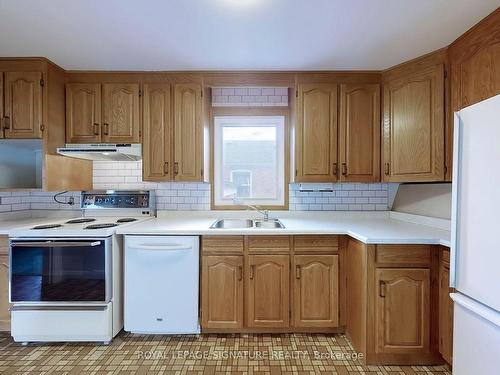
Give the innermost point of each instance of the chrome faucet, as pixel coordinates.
(263, 212)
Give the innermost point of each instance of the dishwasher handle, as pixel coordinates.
(161, 247)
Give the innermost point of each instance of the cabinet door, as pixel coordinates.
(83, 112)
(188, 132)
(402, 310)
(157, 132)
(222, 292)
(121, 113)
(267, 280)
(23, 105)
(414, 127)
(359, 132)
(316, 291)
(445, 314)
(316, 133)
(1, 107)
(4, 293)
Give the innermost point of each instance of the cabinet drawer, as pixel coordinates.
(4, 245)
(222, 244)
(402, 254)
(307, 244)
(268, 244)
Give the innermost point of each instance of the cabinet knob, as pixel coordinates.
(165, 167)
(387, 168)
(176, 168)
(344, 169)
(6, 122)
(382, 288)
(297, 272)
(96, 128)
(240, 273)
(106, 128)
(335, 170)
(251, 271)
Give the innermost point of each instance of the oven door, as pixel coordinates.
(60, 270)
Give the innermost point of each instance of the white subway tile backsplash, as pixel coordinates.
(249, 96)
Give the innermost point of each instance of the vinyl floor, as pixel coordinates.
(206, 354)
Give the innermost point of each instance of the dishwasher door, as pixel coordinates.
(161, 283)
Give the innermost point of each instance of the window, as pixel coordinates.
(249, 160)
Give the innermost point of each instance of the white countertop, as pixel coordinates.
(14, 220)
(368, 227)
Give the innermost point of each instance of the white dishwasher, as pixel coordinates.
(161, 284)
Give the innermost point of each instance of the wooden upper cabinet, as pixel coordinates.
(157, 132)
(413, 140)
(359, 132)
(188, 132)
(267, 280)
(83, 112)
(402, 310)
(474, 62)
(222, 292)
(1, 106)
(316, 133)
(316, 291)
(23, 105)
(121, 113)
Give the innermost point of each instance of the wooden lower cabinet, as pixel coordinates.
(316, 291)
(222, 291)
(268, 282)
(4, 284)
(402, 311)
(445, 308)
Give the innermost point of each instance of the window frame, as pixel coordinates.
(251, 111)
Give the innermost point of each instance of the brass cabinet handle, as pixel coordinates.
(106, 128)
(96, 128)
(165, 167)
(176, 168)
(240, 273)
(387, 168)
(344, 169)
(6, 122)
(251, 271)
(382, 288)
(297, 272)
(335, 169)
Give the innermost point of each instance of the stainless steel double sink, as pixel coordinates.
(247, 223)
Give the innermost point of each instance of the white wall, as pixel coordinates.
(424, 199)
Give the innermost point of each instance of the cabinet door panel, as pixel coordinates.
(83, 112)
(445, 314)
(414, 127)
(1, 106)
(121, 113)
(359, 131)
(268, 290)
(23, 105)
(4, 293)
(316, 291)
(157, 132)
(222, 291)
(188, 132)
(316, 133)
(402, 310)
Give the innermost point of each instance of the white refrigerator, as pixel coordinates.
(475, 239)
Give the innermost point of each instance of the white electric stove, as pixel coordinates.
(65, 281)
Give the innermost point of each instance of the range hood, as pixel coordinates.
(102, 151)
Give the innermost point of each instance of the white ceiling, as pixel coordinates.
(233, 34)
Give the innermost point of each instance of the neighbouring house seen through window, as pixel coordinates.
(249, 165)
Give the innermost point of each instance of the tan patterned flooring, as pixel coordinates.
(206, 354)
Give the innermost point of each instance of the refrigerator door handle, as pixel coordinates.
(455, 196)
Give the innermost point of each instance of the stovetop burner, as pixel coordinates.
(126, 220)
(101, 226)
(79, 221)
(47, 226)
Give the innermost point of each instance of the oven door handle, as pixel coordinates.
(56, 244)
